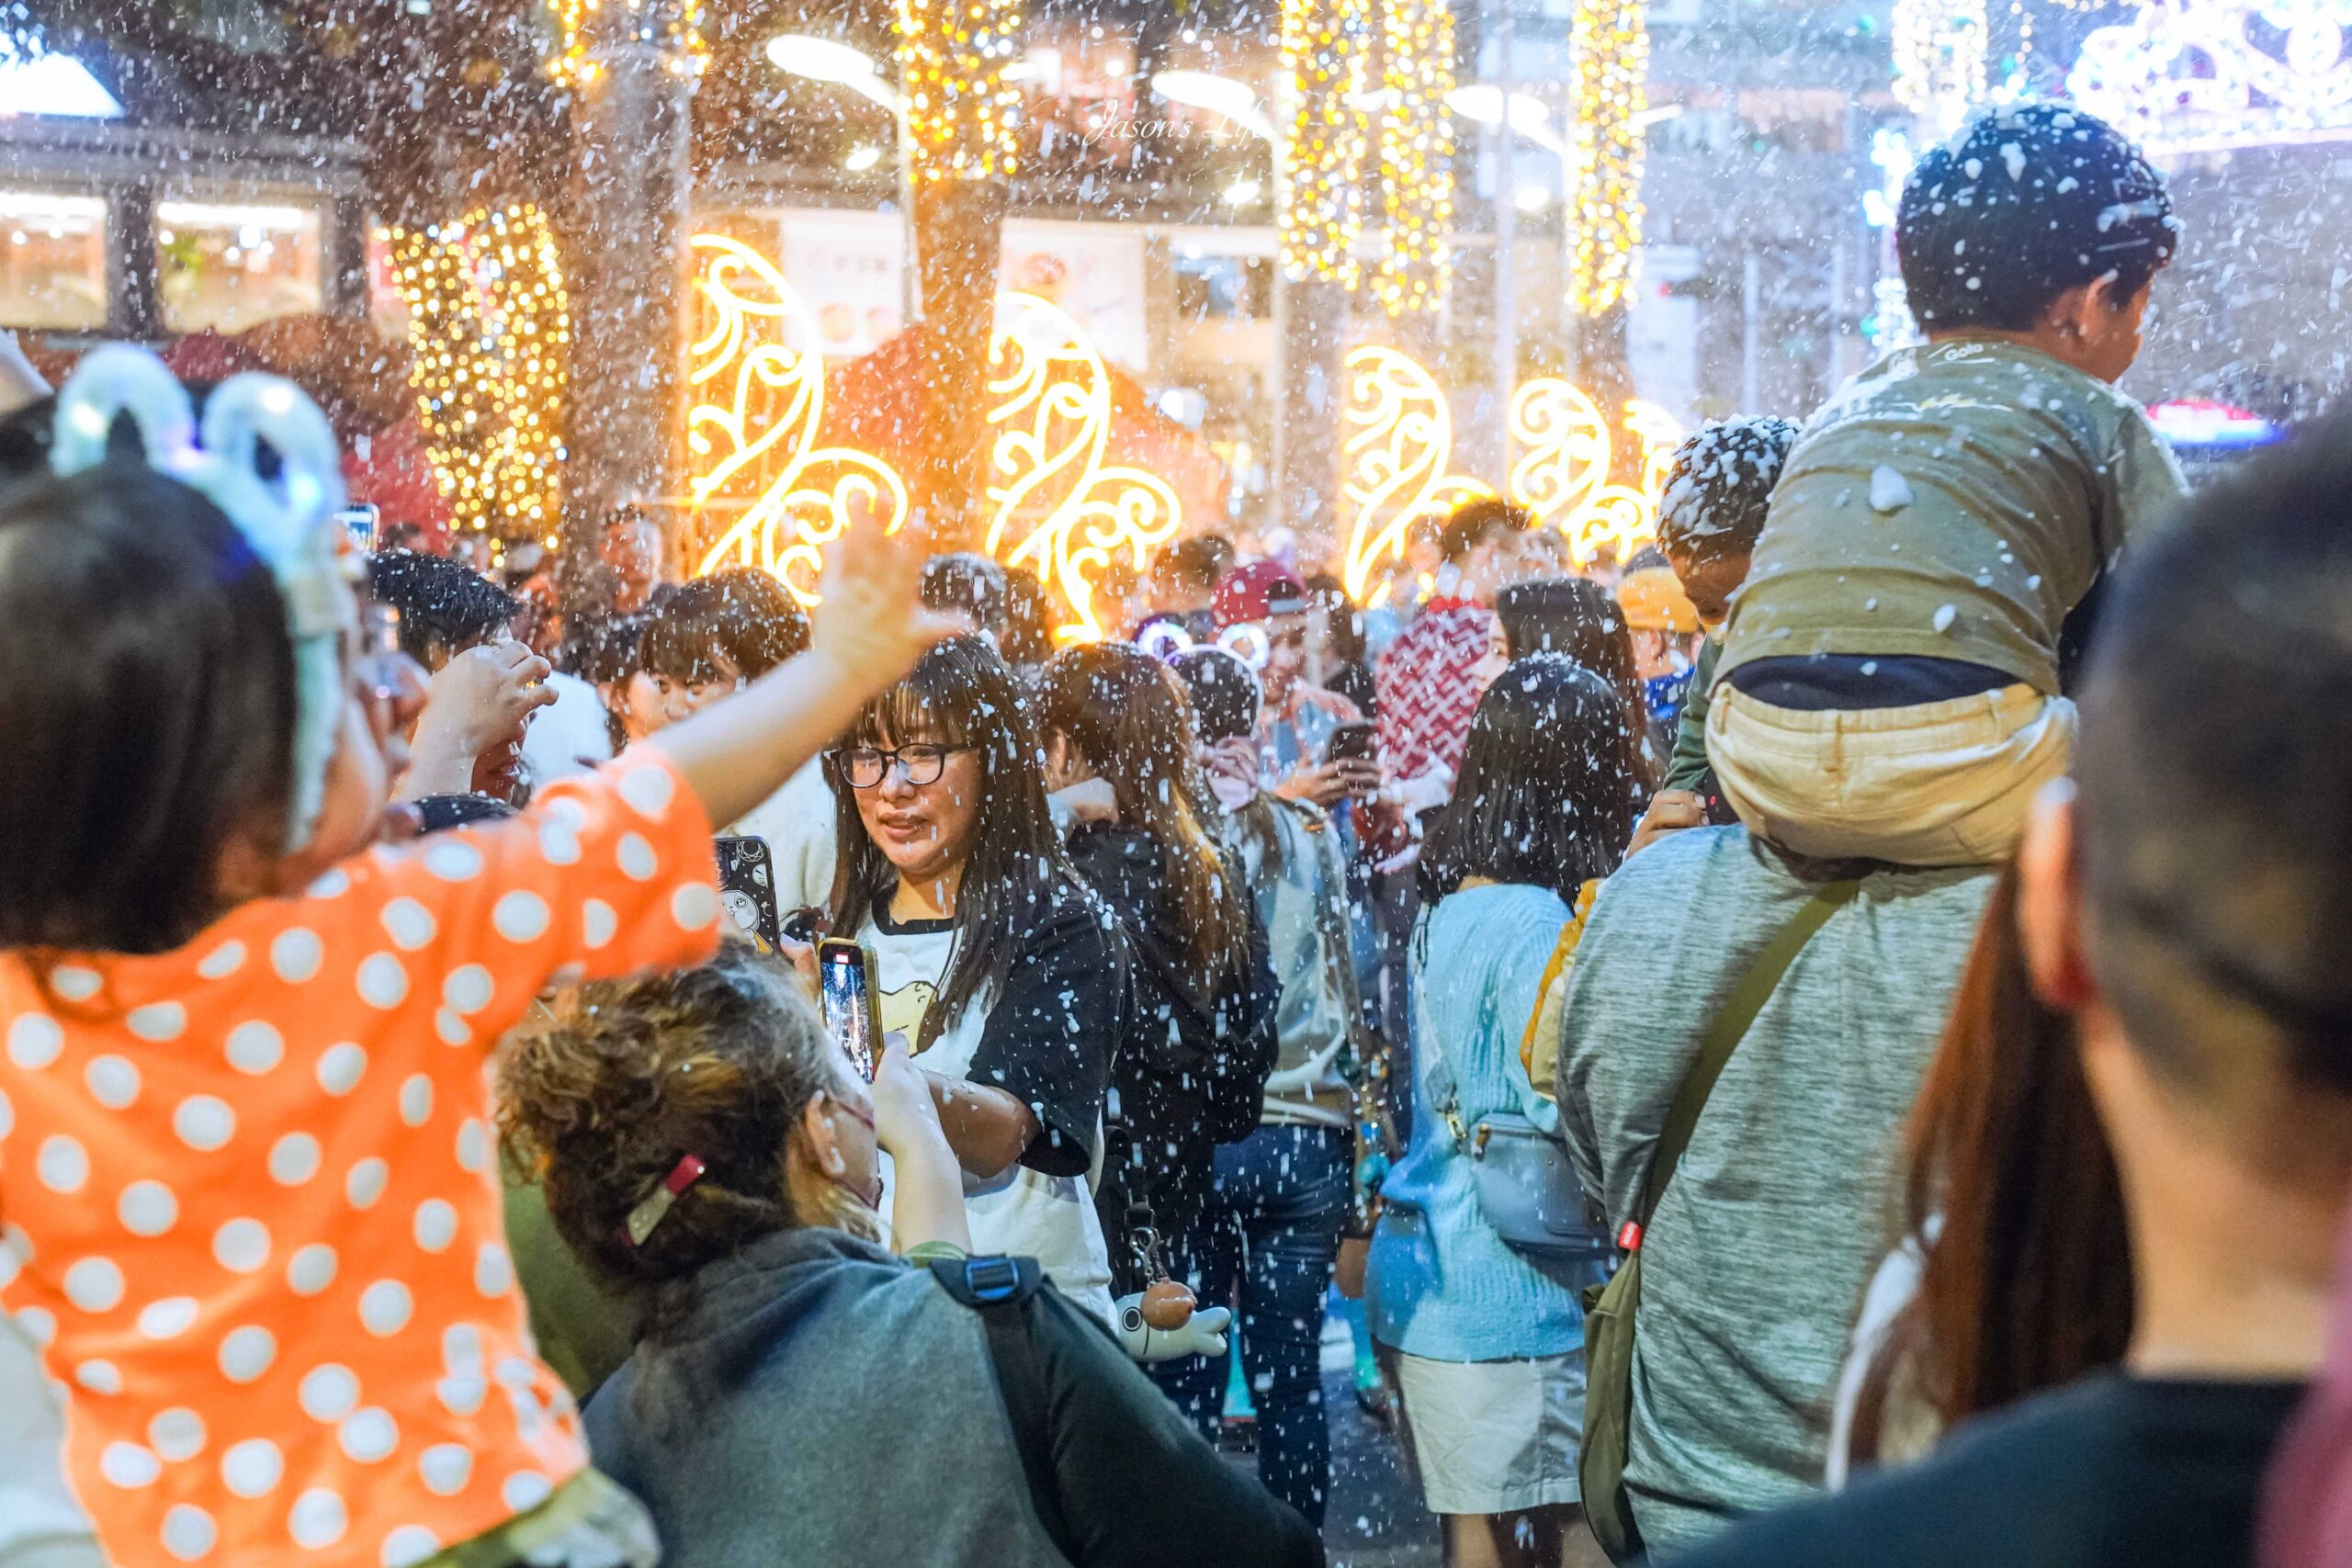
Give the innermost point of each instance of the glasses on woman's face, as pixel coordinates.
(866, 766)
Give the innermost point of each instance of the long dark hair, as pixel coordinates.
(2028, 1277)
(1576, 617)
(962, 694)
(1550, 783)
(1129, 717)
(147, 695)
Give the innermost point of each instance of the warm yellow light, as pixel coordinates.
(1325, 46)
(961, 114)
(1396, 442)
(1611, 43)
(681, 26)
(1416, 155)
(758, 353)
(1054, 423)
(1562, 474)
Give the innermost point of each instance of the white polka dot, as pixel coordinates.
(255, 1047)
(597, 923)
(34, 1040)
(384, 1308)
(445, 1468)
(340, 1067)
(453, 860)
(94, 1284)
(74, 983)
(246, 1353)
(158, 1022)
(63, 1165)
(494, 1271)
(310, 1269)
(7, 1115)
(294, 1160)
(253, 1467)
(461, 1350)
(317, 1521)
(525, 1490)
(128, 1466)
(99, 1377)
(636, 858)
(437, 1224)
(39, 1323)
(147, 1208)
(558, 845)
(241, 1247)
(204, 1123)
(112, 1082)
(329, 1391)
(453, 1030)
(416, 1100)
(222, 960)
(408, 1545)
(648, 791)
(693, 906)
(188, 1532)
(332, 884)
(368, 1434)
(365, 1183)
(408, 923)
(382, 982)
(167, 1319)
(178, 1434)
(514, 1373)
(473, 1146)
(296, 953)
(520, 916)
(461, 1396)
(468, 989)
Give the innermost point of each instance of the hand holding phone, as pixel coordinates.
(845, 985)
(747, 890)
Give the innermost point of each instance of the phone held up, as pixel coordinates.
(845, 983)
(747, 889)
(1350, 744)
(364, 523)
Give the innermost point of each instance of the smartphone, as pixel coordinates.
(747, 888)
(362, 522)
(845, 973)
(1351, 743)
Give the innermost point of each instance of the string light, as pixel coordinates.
(1563, 478)
(490, 327)
(676, 25)
(1396, 444)
(1940, 59)
(1054, 419)
(760, 445)
(1324, 46)
(1611, 46)
(1416, 155)
(961, 113)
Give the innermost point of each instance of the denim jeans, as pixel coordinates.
(1269, 1236)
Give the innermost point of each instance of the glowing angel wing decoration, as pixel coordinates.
(1396, 442)
(1660, 433)
(1566, 442)
(756, 452)
(1052, 415)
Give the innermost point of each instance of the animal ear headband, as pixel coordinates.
(1246, 640)
(288, 522)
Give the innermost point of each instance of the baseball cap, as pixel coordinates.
(1259, 591)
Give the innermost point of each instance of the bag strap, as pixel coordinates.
(1724, 1036)
(996, 1289)
(1571, 937)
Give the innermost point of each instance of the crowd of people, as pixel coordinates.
(1821, 1042)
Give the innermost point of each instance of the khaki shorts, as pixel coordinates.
(1938, 784)
(1493, 1437)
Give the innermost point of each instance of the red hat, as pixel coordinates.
(1258, 592)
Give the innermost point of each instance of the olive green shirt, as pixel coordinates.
(1955, 500)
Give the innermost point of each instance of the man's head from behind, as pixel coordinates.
(2188, 904)
(1483, 544)
(445, 607)
(1711, 510)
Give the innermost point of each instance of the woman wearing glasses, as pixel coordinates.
(1006, 975)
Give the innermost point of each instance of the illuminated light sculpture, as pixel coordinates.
(1416, 155)
(1563, 477)
(2197, 75)
(1053, 420)
(489, 323)
(760, 445)
(1325, 44)
(1940, 59)
(1396, 442)
(960, 111)
(676, 24)
(1612, 45)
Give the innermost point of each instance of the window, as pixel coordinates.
(230, 266)
(1224, 288)
(52, 261)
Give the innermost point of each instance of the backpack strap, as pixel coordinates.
(997, 1288)
(1724, 1036)
(1550, 995)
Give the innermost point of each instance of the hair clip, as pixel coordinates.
(288, 522)
(646, 1214)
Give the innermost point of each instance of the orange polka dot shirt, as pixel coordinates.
(249, 1199)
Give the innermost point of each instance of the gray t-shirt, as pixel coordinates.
(1756, 1259)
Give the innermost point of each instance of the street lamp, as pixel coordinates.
(823, 60)
(1483, 103)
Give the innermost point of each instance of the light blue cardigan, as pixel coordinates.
(1442, 1284)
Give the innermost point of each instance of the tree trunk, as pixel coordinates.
(1311, 338)
(958, 235)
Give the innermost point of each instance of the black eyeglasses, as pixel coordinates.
(866, 766)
